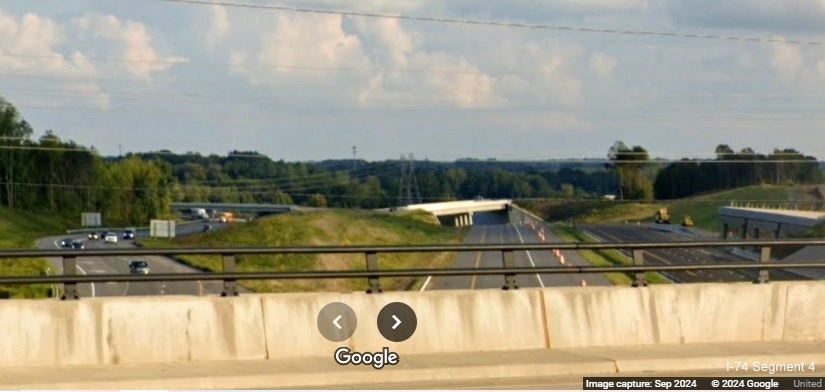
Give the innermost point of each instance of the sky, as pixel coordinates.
(129, 76)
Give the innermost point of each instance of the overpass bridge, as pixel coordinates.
(750, 222)
(260, 209)
(461, 213)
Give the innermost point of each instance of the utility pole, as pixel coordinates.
(354, 159)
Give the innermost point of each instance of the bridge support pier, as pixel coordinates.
(70, 269)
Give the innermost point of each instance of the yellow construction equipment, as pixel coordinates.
(688, 222)
(662, 217)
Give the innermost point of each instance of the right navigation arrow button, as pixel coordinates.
(397, 322)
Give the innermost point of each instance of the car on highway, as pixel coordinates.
(139, 267)
(77, 244)
(129, 234)
(94, 235)
(207, 228)
(110, 238)
(66, 242)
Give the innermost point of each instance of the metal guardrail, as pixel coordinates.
(230, 276)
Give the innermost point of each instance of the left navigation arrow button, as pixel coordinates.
(337, 322)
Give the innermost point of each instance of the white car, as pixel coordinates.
(110, 238)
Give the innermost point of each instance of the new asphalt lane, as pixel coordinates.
(634, 233)
(120, 265)
(512, 234)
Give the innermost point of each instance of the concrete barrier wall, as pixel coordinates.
(448, 321)
(169, 329)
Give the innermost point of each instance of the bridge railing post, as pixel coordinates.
(69, 269)
(510, 282)
(230, 287)
(639, 279)
(764, 257)
(372, 265)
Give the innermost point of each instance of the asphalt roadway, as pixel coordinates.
(511, 234)
(120, 265)
(634, 233)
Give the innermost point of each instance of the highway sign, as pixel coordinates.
(162, 228)
(90, 219)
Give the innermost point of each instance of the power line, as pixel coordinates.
(500, 24)
(772, 100)
(235, 65)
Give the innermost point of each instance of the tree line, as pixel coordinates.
(54, 175)
(51, 174)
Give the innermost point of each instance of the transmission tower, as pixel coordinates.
(408, 192)
(354, 159)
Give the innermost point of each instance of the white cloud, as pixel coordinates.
(787, 60)
(29, 46)
(301, 48)
(219, 26)
(602, 64)
(136, 43)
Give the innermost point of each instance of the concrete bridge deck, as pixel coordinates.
(562, 368)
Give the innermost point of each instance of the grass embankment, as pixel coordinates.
(19, 229)
(605, 258)
(324, 228)
(703, 209)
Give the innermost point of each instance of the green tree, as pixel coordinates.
(629, 164)
(318, 200)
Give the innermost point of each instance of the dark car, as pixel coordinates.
(129, 235)
(78, 245)
(67, 243)
(207, 228)
(94, 235)
(139, 267)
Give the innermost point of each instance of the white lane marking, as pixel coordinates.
(79, 268)
(426, 283)
(529, 257)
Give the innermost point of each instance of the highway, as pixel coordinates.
(500, 234)
(633, 233)
(120, 265)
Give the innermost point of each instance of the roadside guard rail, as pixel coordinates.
(70, 279)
